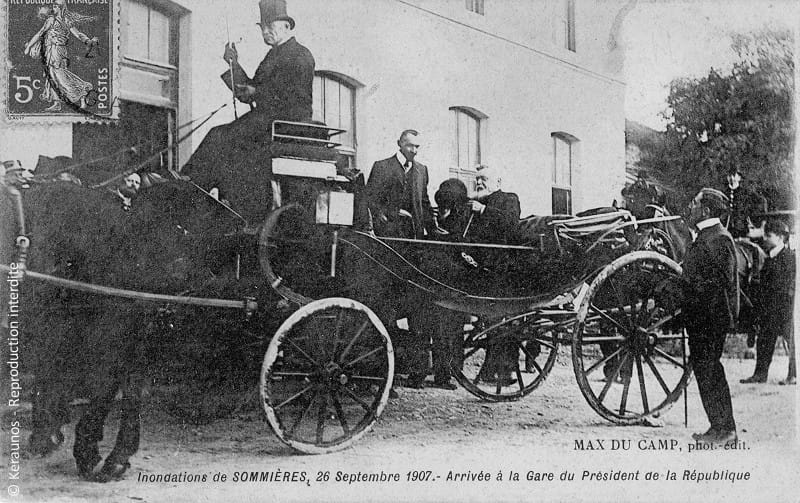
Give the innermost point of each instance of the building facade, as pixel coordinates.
(532, 87)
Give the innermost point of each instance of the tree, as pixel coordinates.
(739, 118)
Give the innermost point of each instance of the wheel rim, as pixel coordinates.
(294, 253)
(629, 353)
(326, 375)
(508, 360)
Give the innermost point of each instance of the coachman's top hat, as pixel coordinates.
(274, 10)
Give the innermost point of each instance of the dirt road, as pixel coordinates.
(458, 446)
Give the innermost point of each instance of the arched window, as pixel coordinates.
(469, 130)
(335, 105)
(564, 161)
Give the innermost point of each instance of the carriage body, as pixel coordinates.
(326, 376)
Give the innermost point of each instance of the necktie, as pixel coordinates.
(407, 166)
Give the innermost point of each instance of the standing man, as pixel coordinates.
(397, 198)
(743, 205)
(231, 156)
(775, 302)
(710, 305)
(397, 192)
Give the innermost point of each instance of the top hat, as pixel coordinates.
(274, 10)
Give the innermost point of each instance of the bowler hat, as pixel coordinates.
(274, 10)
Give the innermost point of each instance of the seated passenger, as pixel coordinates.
(496, 212)
(490, 217)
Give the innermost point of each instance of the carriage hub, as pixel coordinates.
(642, 341)
(333, 375)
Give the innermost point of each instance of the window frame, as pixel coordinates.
(556, 181)
(173, 14)
(476, 7)
(564, 29)
(467, 172)
(348, 151)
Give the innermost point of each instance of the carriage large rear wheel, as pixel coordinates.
(509, 359)
(628, 350)
(326, 375)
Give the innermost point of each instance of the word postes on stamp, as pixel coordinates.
(60, 55)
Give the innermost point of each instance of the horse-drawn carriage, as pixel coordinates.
(585, 282)
(580, 281)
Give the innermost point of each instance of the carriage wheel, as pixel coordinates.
(507, 360)
(326, 375)
(628, 349)
(294, 253)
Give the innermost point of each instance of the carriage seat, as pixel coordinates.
(304, 149)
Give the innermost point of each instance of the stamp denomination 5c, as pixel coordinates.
(60, 58)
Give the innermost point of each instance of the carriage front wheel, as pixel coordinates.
(628, 349)
(326, 375)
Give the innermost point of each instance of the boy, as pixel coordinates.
(775, 302)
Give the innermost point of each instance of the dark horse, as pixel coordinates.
(85, 344)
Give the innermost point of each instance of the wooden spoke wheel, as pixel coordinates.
(628, 350)
(507, 360)
(326, 375)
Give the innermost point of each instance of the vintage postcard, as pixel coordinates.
(398, 250)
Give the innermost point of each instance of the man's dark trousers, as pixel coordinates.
(706, 347)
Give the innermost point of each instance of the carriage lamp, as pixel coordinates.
(335, 208)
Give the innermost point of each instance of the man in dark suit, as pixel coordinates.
(397, 197)
(397, 192)
(231, 156)
(743, 205)
(710, 306)
(775, 301)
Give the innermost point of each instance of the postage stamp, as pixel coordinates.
(60, 61)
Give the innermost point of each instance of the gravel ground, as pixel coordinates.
(451, 433)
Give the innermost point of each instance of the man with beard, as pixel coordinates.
(494, 220)
(127, 190)
(710, 306)
(496, 213)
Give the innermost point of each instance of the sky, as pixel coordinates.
(667, 39)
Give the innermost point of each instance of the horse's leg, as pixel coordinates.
(128, 435)
(50, 412)
(89, 430)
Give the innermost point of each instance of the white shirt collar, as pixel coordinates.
(775, 251)
(402, 160)
(709, 222)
